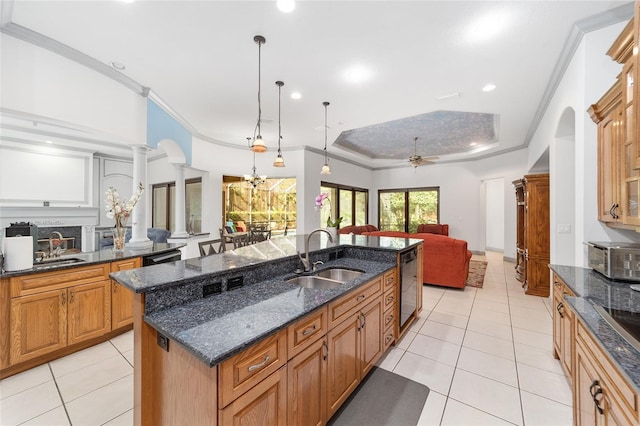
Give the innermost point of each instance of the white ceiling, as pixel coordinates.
(200, 58)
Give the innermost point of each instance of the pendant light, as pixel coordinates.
(326, 170)
(258, 144)
(279, 161)
(253, 179)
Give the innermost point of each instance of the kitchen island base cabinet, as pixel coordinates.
(121, 297)
(89, 311)
(307, 386)
(563, 326)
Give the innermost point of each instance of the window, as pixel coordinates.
(405, 209)
(272, 203)
(163, 202)
(352, 203)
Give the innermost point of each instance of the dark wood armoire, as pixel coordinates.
(533, 233)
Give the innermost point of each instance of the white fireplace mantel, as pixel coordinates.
(50, 216)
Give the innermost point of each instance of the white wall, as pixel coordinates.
(588, 77)
(37, 81)
(495, 196)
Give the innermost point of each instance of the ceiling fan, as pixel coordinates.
(417, 160)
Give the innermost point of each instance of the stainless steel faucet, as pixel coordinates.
(305, 259)
(58, 250)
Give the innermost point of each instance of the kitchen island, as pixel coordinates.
(226, 338)
(64, 305)
(601, 364)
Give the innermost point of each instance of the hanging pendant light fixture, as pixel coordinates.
(258, 144)
(253, 179)
(326, 170)
(279, 161)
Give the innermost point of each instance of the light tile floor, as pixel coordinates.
(486, 355)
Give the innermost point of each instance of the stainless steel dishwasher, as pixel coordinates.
(408, 285)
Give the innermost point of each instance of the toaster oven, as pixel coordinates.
(618, 261)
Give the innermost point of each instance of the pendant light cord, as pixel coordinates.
(325, 131)
(279, 83)
(259, 78)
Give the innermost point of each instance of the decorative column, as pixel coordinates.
(179, 204)
(139, 216)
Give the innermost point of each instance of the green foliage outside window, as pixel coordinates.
(405, 210)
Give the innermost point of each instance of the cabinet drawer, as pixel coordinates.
(345, 306)
(389, 299)
(36, 283)
(623, 392)
(306, 331)
(126, 264)
(388, 338)
(389, 280)
(389, 317)
(245, 370)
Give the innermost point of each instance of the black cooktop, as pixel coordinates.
(626, 323)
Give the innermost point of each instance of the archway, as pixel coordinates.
(563, 171)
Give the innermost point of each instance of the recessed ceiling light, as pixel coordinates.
(49, 142)
(488, 87)
(286, 6)
(473, 144)
(118, 65)
(358, 74)
(296, 95)
(488, 26)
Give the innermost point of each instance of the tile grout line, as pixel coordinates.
(64, 405)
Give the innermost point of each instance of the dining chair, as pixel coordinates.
(209, 247)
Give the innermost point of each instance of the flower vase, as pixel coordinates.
(333, 231)
(118, 238)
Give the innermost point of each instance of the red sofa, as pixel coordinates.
(445, 260)
(433, 228)
(357, 229)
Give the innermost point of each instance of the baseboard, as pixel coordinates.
(497, 250)
(509, 259)
(478, 252)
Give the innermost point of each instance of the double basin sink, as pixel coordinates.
(326, 279)
(56, 263)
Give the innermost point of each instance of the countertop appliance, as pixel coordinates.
(23, 229)
(617, 261)
(408, 285)
(166, 257)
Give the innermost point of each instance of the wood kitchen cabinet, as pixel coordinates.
(121, 297)
(57, 312)
(307, 385)
(38, 325)
(601, 395)
(563, 326)
(534, 234)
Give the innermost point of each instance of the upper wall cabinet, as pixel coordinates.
(618, 148)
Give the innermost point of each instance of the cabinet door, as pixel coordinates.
(343, 367)
(265, 404)
(307, 386)
(121, 297)
(568, 340)
(38, 324)
(419, 280)
(584, 411)
(89, 311)
(608, 166)
(557, 319)
(538, 276)
(371, 336)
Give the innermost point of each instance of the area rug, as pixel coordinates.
(477, 269)
(383, 399)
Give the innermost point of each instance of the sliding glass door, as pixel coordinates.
(405, 209)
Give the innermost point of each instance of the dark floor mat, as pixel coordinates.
(383, 399)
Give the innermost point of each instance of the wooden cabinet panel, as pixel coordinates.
(265, 404)
(563, 327)
(419, 280)
(533, 234)
(307, 386)
(31, 284)
(352, 302)
(343, 367)
(371, 336)
(38, 325)
(122, 297)
(389, 280)
(241, 372)
(305, 331)
(89, 311)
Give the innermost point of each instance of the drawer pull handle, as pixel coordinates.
(325, 350)
(389, 299)
(595, 389)
(309, 330)
(360, 298)
(560, 308)
(115, 287)
(64, 298)
(252, 368)
(72, 294)
(389, 319)
(389, 338)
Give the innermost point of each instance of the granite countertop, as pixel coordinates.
(217, 327)
(592, 288)
(156, 277)
(95, 257)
